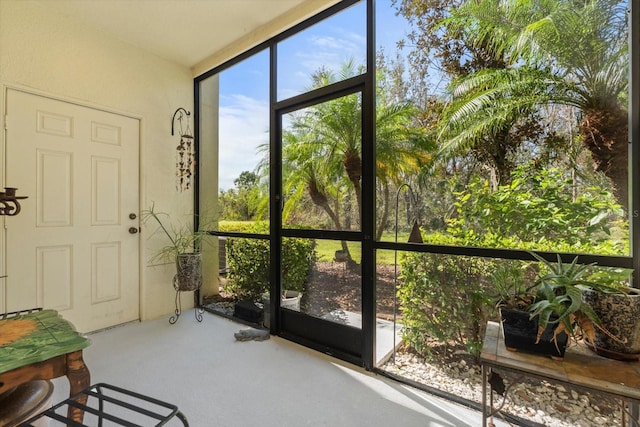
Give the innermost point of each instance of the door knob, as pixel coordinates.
(132, 216)
(133, 230)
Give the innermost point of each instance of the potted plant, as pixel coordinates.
(516, 295)
(183, 248)
(618, 310)
(551, 311)
(288, 299)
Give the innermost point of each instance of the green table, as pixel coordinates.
(41, 345)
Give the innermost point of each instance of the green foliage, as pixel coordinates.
(537, 208)
(243, 226)
(443, 298)
(539, 67)
(616, 279)
(449, 298)
(249, 264)
(182, 239)
(245, 201)
(559, 297)
(513, 286)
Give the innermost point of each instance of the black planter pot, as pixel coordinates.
(520, 334)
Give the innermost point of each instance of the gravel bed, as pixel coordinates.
(540, 402)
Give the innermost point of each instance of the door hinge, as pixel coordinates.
(6, 122)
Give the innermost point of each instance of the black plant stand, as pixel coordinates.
(188, 278)
(198, 310)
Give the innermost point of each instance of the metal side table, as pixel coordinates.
(579, 369)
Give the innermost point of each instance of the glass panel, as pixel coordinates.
(330, 51)
(388, 317)
(243, 145)
(322, 166)
(333, 287)
(545, 171)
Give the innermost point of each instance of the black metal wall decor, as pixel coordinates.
(9, 204)
(184, 151)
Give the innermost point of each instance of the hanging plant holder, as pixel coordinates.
(185, 152)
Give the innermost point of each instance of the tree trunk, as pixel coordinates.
(605, 132)
(353, 166)
(320, 199)
(384, 218)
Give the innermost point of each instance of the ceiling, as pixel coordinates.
(182, 31)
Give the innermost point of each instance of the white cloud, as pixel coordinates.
(307, 53)
(244, 124)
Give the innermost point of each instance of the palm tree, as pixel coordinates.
(564, 52)
(322, 149)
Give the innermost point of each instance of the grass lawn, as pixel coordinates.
(326, 248)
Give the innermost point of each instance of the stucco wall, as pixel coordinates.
(52, 55)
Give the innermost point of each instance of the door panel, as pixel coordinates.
(70, 248)
(54, 189)
(105, 191)
(321, 146)
(54, 276)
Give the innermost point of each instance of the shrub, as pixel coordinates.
(538, 206)
(249, 264)
(244, 226)
(445, 298)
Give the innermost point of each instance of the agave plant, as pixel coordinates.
(559, 299)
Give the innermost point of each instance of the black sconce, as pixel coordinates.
(9, 204)
(185, 151)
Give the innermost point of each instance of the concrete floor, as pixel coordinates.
(218, 381)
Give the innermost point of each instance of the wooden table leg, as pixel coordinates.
(79, 379)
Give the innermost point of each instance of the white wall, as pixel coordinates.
(52, 55)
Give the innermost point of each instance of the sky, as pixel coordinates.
(244, 88)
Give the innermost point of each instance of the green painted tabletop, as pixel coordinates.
(36, 337)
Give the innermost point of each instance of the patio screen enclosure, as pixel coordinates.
(329, 183)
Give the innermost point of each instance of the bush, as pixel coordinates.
(244, 226)
(249, 264)
(445, 298)
(539, 208)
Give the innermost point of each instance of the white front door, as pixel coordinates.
(74, 246)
